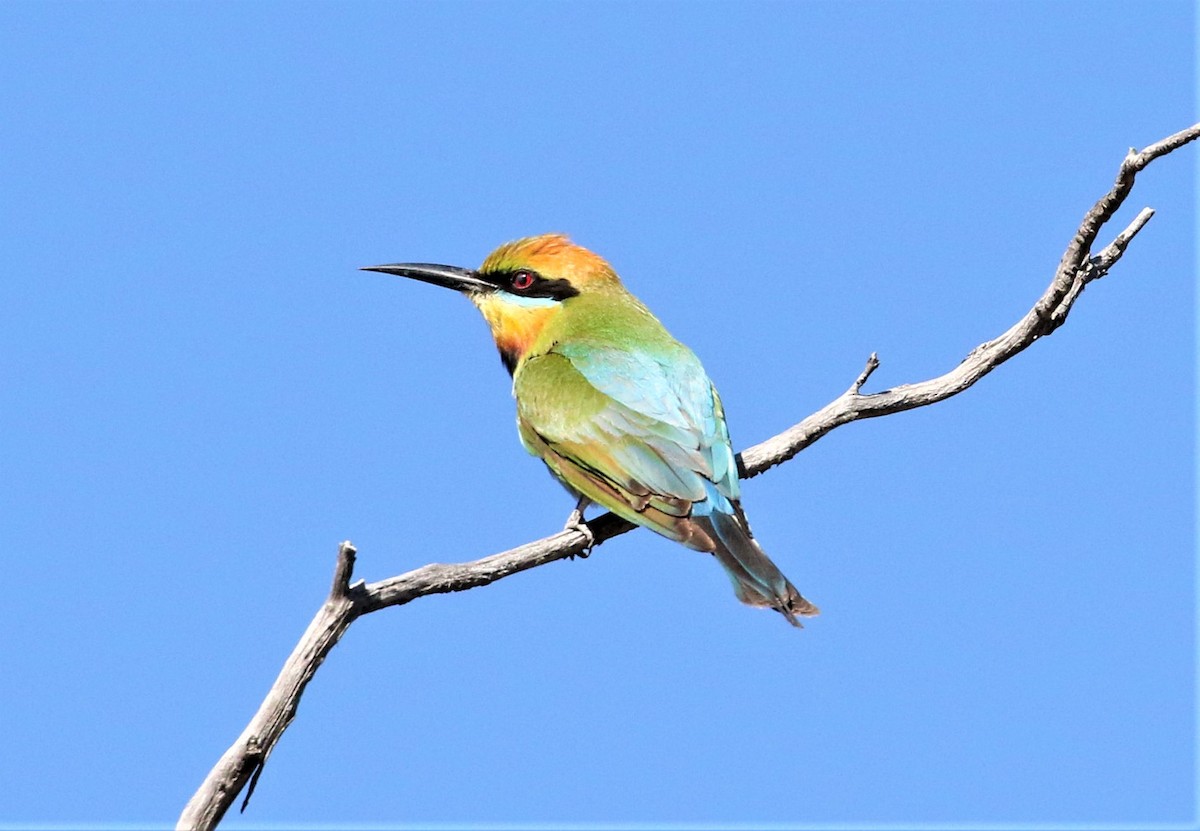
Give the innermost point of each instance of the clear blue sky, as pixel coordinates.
(200, 395)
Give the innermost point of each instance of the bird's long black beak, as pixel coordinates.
(448, 276)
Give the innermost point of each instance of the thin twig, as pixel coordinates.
(344, 571)
(243, 762)
(872, 365)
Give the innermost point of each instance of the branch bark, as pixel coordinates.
(243, 762)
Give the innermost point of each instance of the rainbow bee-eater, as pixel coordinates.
(623, 414)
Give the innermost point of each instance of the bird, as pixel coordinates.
(623, 414)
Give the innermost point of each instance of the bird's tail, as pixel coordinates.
(756, 580)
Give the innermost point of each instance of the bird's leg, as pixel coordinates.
(575, 522)
(576, 517)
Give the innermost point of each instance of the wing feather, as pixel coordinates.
(643, 436)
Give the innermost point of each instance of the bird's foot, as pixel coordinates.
(576, 522)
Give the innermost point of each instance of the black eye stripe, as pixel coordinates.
(540, 287)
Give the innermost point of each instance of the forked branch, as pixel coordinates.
(242, 763)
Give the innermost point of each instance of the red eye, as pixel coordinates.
(522, 280)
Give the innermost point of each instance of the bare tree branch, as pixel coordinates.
(242, 763)
(1076, 269)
